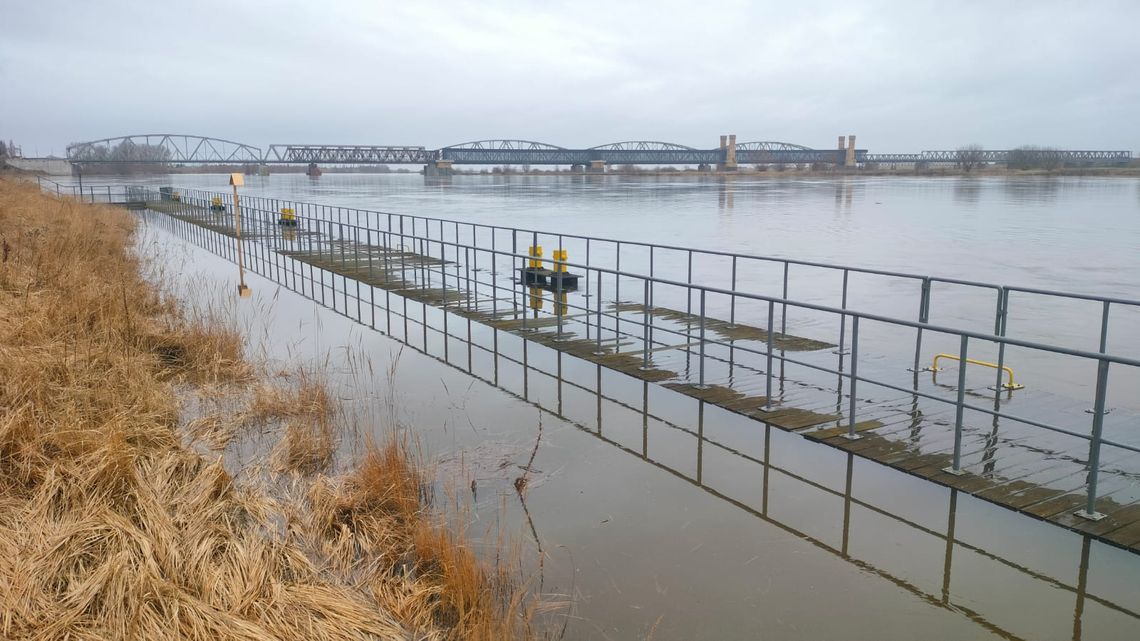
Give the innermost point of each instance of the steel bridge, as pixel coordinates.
(164, 148)
(348, 154)
(192, 149)
(1005, 156)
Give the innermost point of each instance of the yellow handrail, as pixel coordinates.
(1011, 385)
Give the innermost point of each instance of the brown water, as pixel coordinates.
(657, 513)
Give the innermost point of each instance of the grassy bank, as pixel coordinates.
(118, 518)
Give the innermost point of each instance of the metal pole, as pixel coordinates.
(598, 308)
(843, 318)
(1090, 512)
(784, 306)
(999, 330)
(732, 300)
(956, 468)
(645, 328)
(923, 316)
(617, 301)
(559, 311)
(1104, 328)
(771, 347)
(689, 291)
(701, 365)
(242, 289)
(854, 379)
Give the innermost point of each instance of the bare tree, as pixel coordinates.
(125, 157)
(1034, 157)
(970, 157)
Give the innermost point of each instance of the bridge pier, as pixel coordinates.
(849, 161)
(437, 168)
(263, 170)
(313, 171)
(597, 166)
(578, 169)
(728, 145)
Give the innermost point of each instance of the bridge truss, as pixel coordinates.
(1005, 156)
(766, 152)
(509, 152)
(164, 148)
(348, 154)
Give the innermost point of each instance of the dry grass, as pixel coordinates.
(305, 408)
(112, 528)
(421, 570)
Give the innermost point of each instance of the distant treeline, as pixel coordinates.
(124, 158)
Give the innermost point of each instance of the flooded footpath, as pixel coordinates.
(656, 515)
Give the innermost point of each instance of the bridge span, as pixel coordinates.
(190, 149)
(185, 149)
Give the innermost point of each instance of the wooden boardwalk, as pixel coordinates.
(1018, 466)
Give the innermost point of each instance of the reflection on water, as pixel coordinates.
(653, 506)
(967, 190)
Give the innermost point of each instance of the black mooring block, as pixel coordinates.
(532, 276)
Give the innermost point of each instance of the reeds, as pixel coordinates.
(111, 527)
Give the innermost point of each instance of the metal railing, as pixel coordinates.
(445, 255)
(491, 346)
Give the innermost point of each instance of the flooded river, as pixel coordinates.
(659, 516)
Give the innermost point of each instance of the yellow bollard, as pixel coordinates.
(536, 299)
(535, 253)
(288, 218)
(560, 260)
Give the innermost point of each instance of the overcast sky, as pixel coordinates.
(903, 76)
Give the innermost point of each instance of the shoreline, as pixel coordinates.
(772, 173)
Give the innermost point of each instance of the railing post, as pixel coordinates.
(645, 327)
(701, 350)
(522, 275)
(689, 290)
(732, 300)
(784, 306)
(598, 351)
(525, 291)
(842, 351)
(1090, 512)
(617, 299)
(1104, 328)
(768, 406)
(851, 433)
(923, 316)
(558, 311)
(999, 330)
(960, 409)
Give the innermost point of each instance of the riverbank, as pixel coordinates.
(120, 514)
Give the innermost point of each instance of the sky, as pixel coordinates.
(903, 76)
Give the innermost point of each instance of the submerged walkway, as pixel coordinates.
(720, 361)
